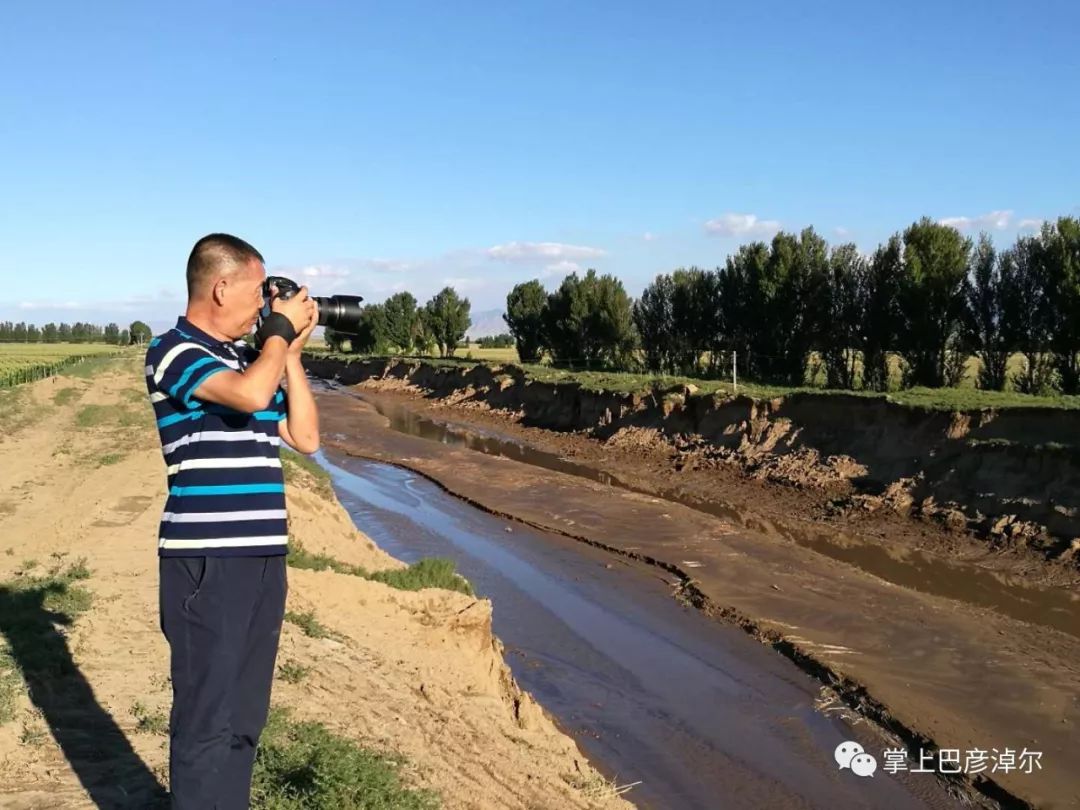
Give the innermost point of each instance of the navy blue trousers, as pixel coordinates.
(222, 618)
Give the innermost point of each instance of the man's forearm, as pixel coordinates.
(303, 415)
(264, 375)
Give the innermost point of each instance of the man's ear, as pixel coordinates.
(217, 292)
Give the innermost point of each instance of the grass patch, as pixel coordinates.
(93, 415)
(296, 464)
(33, 736)
(74, 572)
(299, 557)
(597, 787)
(293, 671)
(93, 366)
(65, 396)
(135, 417)
(304, 766)
(11, 687)
(109, 459)
(309, 624)
(33, 651)
(148, 722)
(17, 410)
(430, 572)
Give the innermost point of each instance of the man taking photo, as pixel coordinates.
(222, 415)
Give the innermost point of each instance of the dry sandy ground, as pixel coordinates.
(419, 673)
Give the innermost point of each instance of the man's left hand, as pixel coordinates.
(297, 346)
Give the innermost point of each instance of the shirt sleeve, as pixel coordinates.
(182, 369)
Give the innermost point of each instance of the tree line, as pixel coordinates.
(927, 300)
(137, 332)
(399, 324)
(500, 341)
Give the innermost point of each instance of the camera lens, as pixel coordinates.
(340, 312)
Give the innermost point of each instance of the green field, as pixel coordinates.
(966, 397)
(26, 362)
(508, 355)
(470, 352)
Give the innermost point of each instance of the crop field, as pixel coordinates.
(25, 362)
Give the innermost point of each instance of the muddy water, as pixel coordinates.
(1056, 608)
(653, 692)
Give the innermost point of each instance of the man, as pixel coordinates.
(221, 416)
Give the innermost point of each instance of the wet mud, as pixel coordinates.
(930, 670)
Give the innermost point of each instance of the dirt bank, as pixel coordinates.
(1009, 478)
(418, 673)
(936, 671)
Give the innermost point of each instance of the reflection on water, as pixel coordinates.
(909, 568)
(653, 692)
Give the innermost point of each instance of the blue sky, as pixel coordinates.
(374, 147)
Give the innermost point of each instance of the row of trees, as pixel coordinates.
(137, 332)
(503, 341)
(929, 297)
(587, 320)
(399, 324)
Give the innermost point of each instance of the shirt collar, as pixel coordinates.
(185, 326)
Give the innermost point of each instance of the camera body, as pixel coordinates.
(339, 312)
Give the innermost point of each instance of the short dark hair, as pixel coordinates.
(214, 253)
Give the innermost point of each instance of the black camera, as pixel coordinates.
(339, 312)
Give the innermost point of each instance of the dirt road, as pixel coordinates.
(417, 673)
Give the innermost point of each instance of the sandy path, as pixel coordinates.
(416, 672)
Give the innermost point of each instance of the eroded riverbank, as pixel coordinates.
(690, 709)
(929, 668)
(993, 486)
(921, 569)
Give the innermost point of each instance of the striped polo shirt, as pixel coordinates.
(226, 488)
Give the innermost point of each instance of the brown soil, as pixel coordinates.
(998, 488)
(934, 670)
(419, 673)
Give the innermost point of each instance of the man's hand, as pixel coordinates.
(300, 310)
(297, 346)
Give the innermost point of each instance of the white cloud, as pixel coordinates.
(648, 236)
(995, 220)
(386, 265)
(841, 232)
(32, 305)
(1030, 224)
(542, 251)
(93, 309)
(159, 309)
(324, 271)
(741, 225)
(382, 287)
(563, 268)
(480, 272)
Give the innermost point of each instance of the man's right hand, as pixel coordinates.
(298, 309)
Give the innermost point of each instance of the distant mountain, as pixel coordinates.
(486, 323)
